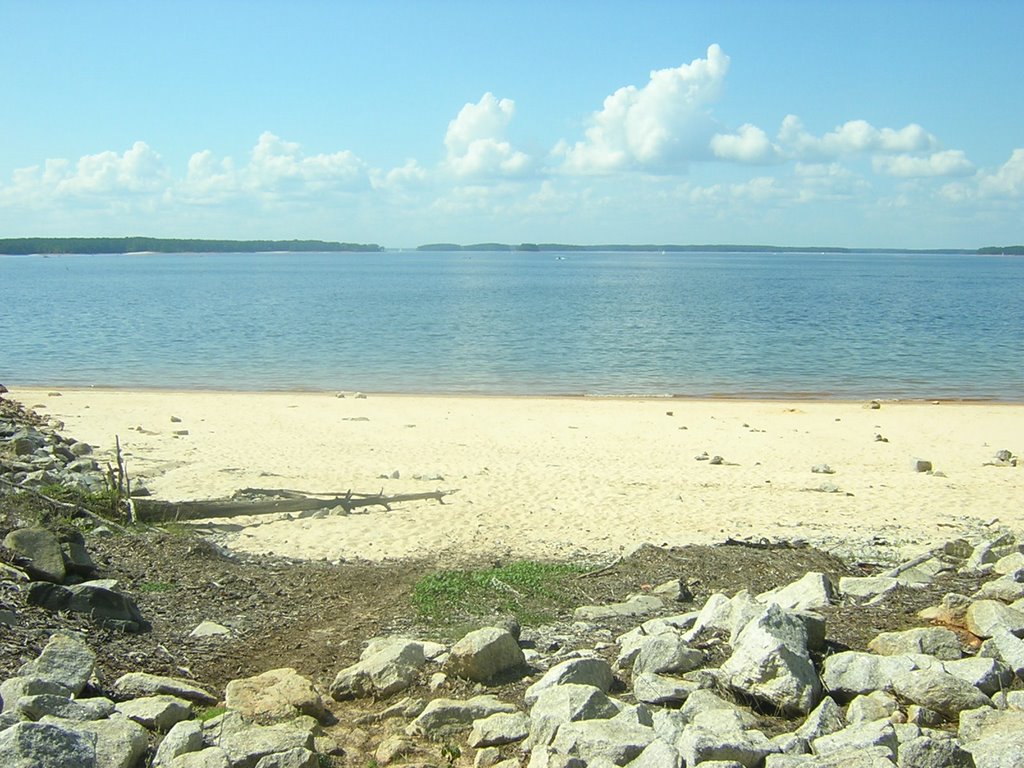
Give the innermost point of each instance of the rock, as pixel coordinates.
(185, 736)
(858, 737)
(602, 740)
(675, 590)
(814, 590)
(921, 465)
(566, 703)
(986, 674)
(928, 752)
(939, 691)
(1009, 563)
(722, 738)
(986, 553)
(716, 613)
(383, 669)
(482, 655)
(993, 737)
(246, 743)
(109, 608)
(658, 754)
(39, 552)
(770, 662)
(666, 653)
(156, 713)
(14, 689)
(822, 469)
(211, 757)
(137, 684)
(76, 557)
(585, 671)
(852, 673)
(297, 757)
(824, 719)
(442, 717)
(1006, 648)
(120, 743)
(952, 611)
(209, 629)
(502, 728)
(637, 605)
(38, 706)
(66, 660)
(652, 688)
(877, 705)
(934, 641)
(39, 745)
(274, 696)
(865, 587)
(988, 617)
(392, 748)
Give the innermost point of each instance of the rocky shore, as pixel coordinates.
(818, 663)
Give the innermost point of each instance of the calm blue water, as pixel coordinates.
(875, 325)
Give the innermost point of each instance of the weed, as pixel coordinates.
(156, 586)
(209, 713)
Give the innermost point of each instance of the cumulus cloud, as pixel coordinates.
(411, 174)
(854, 136)
(656, 127)
(476, 143)
(1007, 180)
(276, 162)
(748, 145)
(950, 162)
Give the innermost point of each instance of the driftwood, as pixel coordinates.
(260, 501)
(764, 543)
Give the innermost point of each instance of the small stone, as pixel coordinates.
(921, 465)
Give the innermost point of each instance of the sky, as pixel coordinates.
(859, 124)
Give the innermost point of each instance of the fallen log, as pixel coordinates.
(258, 501)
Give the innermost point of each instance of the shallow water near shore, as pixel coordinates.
(743, 325)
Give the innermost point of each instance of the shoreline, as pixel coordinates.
(565, 477)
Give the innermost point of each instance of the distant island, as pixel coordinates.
(19, 246)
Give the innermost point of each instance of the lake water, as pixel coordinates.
(858, 325)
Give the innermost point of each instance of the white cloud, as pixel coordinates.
(659, 126)
(1008, 180)
(411, 174)
(277, 163)
(854, 136)
(950, 162)
(476, 142)
(748, 145)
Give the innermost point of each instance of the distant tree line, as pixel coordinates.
(54, 245)
(1009, 250)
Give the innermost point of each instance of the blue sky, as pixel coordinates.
(862, 124)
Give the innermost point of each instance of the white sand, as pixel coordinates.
(557, 477)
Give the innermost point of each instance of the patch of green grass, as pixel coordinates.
(209, 713)
(527, 589)
(156, 586)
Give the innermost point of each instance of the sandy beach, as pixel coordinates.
(564, 477)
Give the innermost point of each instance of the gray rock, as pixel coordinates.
(274, 696)
(211, 757)
(14, 689)
(637, 605)
(934, 641)
(38, 706)
(939, 691)
(39, 745)
(156, 713)
(952, 611)
(813, 590)
(66, 659)
(658, 754)
(585, 671)
(877, 705)
(246, 743)
(1006, 648)
(675, 590)
(185, 736)
(611, 740)
(484, 654)
(566, 703)
(988, 617)
(442, 717)
(702, 701)
(770, 662)
(826, 718)
(209, 629)
(652, 688)
(39, 552)
(986, 674)
(1004, 589)
(852, 673)
(120, 743)
(137, 684)
(666, 653)
(993, 738)
(866, 587)
(858, 737)
(297, 757)
(384, 669)
(1009, 563)
(928, 752)
(719, 737)
(107, 607)
(921, 465)
(501, 728)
